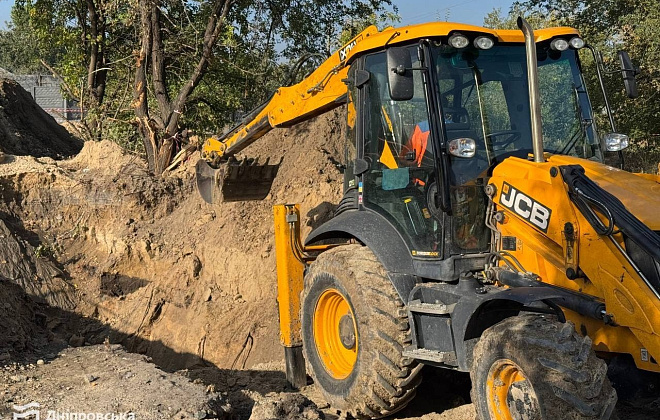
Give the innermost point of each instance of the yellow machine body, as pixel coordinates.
(608, 276)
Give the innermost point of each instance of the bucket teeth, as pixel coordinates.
(235, 180)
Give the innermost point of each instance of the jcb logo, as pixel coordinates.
(525, 207)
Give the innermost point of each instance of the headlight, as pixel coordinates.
(559, 44)
(463, 148)
(484, 42)
(458, 41)
(615, 142)
(576, 42)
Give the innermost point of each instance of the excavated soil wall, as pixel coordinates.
(173, 277)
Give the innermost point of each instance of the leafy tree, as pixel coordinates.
(240, 40)
(73, 39)
(610, 26)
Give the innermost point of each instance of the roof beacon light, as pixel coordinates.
(484, 42)
(576, 42)
(559, 44)
(458, 41)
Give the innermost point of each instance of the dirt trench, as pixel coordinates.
(149, 258)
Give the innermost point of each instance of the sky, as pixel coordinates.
(411, 11)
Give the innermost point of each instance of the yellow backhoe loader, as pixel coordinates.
(479, 231)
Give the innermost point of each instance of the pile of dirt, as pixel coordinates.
(26, 129)
(146, 256)
(286, 407)
(104, 379)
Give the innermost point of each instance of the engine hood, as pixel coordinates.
(639, 193)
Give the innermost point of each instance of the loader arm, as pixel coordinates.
(321, 91)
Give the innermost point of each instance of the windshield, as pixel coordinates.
(484, 96)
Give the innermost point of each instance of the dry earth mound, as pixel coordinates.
(26, 129)
(175, 278)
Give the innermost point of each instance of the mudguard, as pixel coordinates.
(471, 315)
(374, 231)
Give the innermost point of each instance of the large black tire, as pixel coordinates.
(381, 381)
(563, 378)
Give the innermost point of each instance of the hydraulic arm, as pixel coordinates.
(228, 179)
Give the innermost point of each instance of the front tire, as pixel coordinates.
(531, 367)
(355, 328)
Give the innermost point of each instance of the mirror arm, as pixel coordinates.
(403, 71)
(600, 69)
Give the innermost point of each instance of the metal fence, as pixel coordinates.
(47, 94)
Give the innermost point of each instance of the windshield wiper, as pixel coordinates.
(584, 124)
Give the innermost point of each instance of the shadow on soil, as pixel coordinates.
(50, 329)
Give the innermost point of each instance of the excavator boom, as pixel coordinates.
(228, 179)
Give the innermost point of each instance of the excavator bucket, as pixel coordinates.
(235, 180)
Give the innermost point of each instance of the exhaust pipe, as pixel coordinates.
(534, 97)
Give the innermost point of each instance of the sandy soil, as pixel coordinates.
(106, 379)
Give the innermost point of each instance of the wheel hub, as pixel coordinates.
(347, 332)
(510, 394)
(335, 333)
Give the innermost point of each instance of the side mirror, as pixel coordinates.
(615, 142)
(628, 71)
(399, 74)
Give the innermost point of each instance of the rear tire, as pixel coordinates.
(359, 370)
(531, 367)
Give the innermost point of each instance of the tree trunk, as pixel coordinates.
(96, 69)
(160, 130)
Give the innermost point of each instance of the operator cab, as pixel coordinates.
(470, 98)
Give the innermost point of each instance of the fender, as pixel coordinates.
(374, 231)
(472, 317)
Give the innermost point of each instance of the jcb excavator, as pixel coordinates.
(479, 230)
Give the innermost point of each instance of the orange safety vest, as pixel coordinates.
(418, 143)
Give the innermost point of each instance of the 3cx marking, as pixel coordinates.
(343, 53)
(525, 207)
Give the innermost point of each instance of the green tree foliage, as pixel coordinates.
(76, 40)
(610, 26)
(191, 78)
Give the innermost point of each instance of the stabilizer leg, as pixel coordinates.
(290, 269)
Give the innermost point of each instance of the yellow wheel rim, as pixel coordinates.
(335, 334)
(509, 393)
